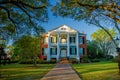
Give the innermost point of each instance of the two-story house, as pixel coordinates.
(62, 42)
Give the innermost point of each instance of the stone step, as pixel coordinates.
(63, 60)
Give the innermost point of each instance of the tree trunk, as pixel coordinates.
(34, 62)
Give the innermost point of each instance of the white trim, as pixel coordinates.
(77, 46)
(48, 56)
(58, 46)
(68, 45)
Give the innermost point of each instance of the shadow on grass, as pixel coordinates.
(24, 72)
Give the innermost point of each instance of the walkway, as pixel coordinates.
(61, 72)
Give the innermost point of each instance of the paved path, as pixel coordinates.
(61, 72)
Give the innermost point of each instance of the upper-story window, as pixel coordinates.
(45, 40)
(63, 28)
(80, 40)
(53, 39)
(72, 39)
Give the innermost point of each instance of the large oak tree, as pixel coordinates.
(20, 16)
(96, 12)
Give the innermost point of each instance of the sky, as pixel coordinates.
(55, 22)
(81, 26)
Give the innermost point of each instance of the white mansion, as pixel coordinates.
(62, 42)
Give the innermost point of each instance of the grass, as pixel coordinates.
(97, 71)
(24, 71)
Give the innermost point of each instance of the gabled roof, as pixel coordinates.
(63, 28)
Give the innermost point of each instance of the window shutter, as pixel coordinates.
(75, 51)
(70, 39)
(56, 50)
(51, 51)
(42, 51)
(70, 50)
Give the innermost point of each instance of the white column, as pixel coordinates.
(58, 46)
(68, 46)
(77, 46)
(48, 55)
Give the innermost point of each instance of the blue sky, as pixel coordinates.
(78, 25)
(81, 26)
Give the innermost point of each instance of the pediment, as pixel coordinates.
(63, 28)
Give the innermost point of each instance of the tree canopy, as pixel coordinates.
(20, 16)
(96, 12)
(27, 48)
(102, 39)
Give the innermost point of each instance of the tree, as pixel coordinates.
(20, 16)
(93, 51)
(27, 48)
(96, 12)
(92, 11)
(103, 40)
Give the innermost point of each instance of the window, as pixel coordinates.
(44, 51)
(63, 40)
(73, 50)
(80, 40)
(83, 40)
(80, 51)
(72, 39)
(53, 39)
(45, 40)
(53, 51)
(63, 28)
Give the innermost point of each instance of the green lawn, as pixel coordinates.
(24, 71)
(97, 71)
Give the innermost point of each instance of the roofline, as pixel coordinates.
(61, 26)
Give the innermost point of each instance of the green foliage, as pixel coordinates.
(22, 16)
(73, 60)
(95, 60)
(85, 59)
(115, 59)
(93, 51)
(103, 40)
(103, 36)
(37, 62)
(27, 48)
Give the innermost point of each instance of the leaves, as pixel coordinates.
(27, 47)
(103, 39)
(22, 14)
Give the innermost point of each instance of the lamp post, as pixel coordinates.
(118, 51)
(2, 53)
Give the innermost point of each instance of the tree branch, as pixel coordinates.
(21, 2)
(8, 13)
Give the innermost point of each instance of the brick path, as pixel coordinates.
(61, 72)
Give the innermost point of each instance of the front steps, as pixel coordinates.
(63, 61)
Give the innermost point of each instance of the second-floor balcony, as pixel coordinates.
(63, 39)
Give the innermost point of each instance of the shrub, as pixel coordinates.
(47, 62)
(95, 60)
(38, 62)
(85, 59)
(115, 59)
(109, 57)
(73, 60)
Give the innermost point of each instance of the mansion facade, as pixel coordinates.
(62, 42)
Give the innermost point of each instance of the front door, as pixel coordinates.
(63, 53)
